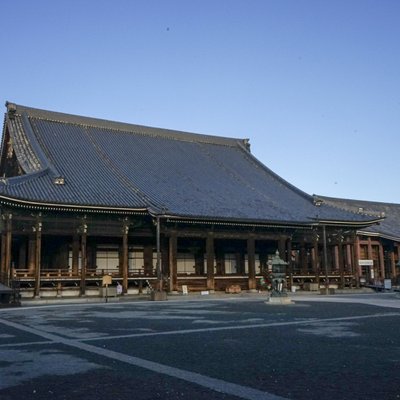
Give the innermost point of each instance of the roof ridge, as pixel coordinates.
(21, 179)
(357, 200)
(354, 208)
(53, 116)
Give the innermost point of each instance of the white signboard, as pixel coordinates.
(365, 263)
(387, 284)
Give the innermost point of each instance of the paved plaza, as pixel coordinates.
(204, 347)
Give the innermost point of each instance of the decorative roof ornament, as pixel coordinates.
(59, 180)
(318, 202)
(11, 109)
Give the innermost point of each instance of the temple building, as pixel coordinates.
(83, 198)
(378, 246)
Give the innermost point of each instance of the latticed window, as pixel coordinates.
(107, 258)
(257, 262)
(135, 259)
(231, 266)
(185, 263)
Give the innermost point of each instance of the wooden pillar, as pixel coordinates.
(173, 262)
(83, 259)
(38, 257)
(8, 248)
(199, 262)
(3, 258)
(349, 260)
(398, 252)
(75, 255)
(381, 262)
(290, 262)
(341, 265)
(356, 264)
(396, 268)
(165, 258)
(220, 262)
(316, 265)
(392, 266)
(336, 261)
(210, 261)
(303, 259)
(31, 254)
(251, 258)
(325, 249)
(124, 258)
(370, 257)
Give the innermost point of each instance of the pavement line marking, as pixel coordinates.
(235, 327)
(23, 344)
(218, 385)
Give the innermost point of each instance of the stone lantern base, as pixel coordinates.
(156, 295)
(279, 300)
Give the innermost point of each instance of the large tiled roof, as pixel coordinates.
(388, 228)
(107, 164)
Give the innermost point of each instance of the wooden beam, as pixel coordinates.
(196, 233)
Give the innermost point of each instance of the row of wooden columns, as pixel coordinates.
(284, 246)
(381, 257)
(79, 245)
(34, 250)
(169, 255)
(343, 254)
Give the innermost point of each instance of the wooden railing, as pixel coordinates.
(63, 273)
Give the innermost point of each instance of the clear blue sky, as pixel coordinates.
(314, 84)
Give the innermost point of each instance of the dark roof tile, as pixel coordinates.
(389, 227)
(111, 164)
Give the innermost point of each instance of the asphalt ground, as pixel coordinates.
(230, 347)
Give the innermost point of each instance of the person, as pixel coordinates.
(119, 289)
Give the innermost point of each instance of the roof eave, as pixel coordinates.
(360, 224)
(379, 235)
(29, 204)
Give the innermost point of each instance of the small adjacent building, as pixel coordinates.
(82, 198)
(377, 246)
